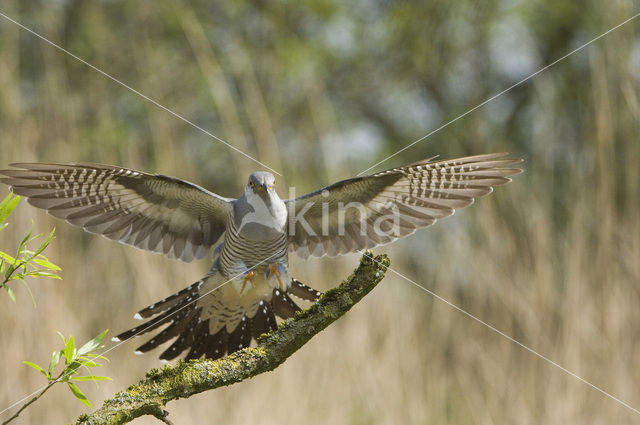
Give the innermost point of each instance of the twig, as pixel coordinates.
(7, 279)
(149, 396)
(162, 416)
(24, 406)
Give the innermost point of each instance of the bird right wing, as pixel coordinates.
(367, 211)
(149, 211)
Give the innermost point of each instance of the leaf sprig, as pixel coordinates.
(26, 262)
(75, 359)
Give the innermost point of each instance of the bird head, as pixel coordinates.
(261, 183)
(260, 205)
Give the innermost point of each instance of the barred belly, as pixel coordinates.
(241, 254)
(225, 305)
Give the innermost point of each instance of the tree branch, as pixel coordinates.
(149, 396)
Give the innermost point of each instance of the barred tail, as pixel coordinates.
(181, 315)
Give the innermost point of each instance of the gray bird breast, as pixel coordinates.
(255, 236)
(260, 218)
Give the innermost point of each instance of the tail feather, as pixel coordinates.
(283, 305)
(217, 345)
(202, 338)
(211, 346)
(189, 293)
(175, 314)
(303, 291)
(175, 328)
(264, 320)
(185, 320)
(184, 341)
(241, 337)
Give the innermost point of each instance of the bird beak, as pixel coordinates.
(266, 187)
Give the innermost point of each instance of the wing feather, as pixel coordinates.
(150, 211)
(367, 211)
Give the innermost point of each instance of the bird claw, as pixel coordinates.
(273, 270)
(248, 277)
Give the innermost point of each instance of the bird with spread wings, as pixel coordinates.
(249, 283)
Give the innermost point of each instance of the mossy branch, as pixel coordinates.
(149, 396)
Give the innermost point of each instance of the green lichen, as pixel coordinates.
(185, 379)
(153, 373)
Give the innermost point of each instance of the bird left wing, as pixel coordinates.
(149, 211)
(364, 212)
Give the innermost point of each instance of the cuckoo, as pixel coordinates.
(250, 282)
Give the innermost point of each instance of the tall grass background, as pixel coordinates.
(320, 92)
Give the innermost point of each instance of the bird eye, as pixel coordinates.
(251, 184)
(274, 183)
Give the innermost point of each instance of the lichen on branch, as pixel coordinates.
(149, 396)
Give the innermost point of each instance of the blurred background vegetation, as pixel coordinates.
(321, 91)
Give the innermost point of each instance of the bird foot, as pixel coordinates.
(273, 270)
(248, 277)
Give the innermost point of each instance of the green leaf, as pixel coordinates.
(43, 273)
(76, 392)
(33, 300)
(69, 350)
(55, 358)
(91, 378)
(10, 292)
(6, 199)
(89, 363)
(7, 205)
(93, 344)
(9, 259)
(36, 367)
(45, 243)
(44, 262)
(17, 276)
(71, 369)
(24, 242)
(8, 272)
(3, 225)
(95, 356)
